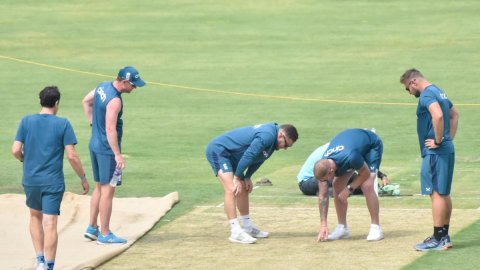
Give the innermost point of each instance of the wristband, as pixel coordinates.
(83, 178)
(435, 141)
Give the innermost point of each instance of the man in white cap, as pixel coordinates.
(103, 108)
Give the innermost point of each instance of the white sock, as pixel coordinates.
(247, 222)
(235, 226)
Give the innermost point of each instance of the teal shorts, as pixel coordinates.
(103, 167)
(218, 159)
(46, 199)
(437, 173)
(374, 157)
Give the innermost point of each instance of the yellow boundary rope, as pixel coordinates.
(221, 91)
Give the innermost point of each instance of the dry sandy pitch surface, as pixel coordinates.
(198, 240)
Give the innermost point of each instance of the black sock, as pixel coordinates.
(438, 233)
(50, 264)
(445, 229)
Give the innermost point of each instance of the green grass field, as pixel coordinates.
(216, 65)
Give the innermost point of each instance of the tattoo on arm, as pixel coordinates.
(323, 200)
(323, 205)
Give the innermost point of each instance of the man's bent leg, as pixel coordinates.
(371, 198)
(230, 205)
(339, 184)
(341, 231)
(243, 203)
(229, 200)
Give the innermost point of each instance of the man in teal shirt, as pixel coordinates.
(351, 150)
(40, 144)
(309, 185)
(103, 107)
(234, 157)
(437, 122)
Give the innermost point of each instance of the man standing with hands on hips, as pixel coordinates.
(437, 122)
(103, 108)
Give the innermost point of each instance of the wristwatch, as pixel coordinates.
(350, 188)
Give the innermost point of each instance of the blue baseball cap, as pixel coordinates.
(131, 74)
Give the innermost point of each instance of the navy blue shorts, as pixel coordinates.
(374, 157)
(46, 199)
(218, 159)
(103, 167)
(437, 173)
(309, 186)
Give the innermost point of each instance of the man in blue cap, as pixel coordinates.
(103, 108)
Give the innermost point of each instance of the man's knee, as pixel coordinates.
(368, 190)
(49, 222)
(37, 215)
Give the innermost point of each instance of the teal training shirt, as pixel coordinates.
(247, 147)
(44, 137)
(349, 147)
(430, 95)
(103, 94)
(306, 172)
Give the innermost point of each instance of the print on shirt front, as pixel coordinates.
(103, 94)
(350, 148)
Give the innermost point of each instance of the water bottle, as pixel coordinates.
(119, 181)
(116, 178)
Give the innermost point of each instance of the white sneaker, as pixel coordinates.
(340, 232)
(40, 266)
(375, 233)
(242, 238)
(255, 232)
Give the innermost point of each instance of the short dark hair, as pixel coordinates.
(410, 74)
(49, 96)
(290, 131)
